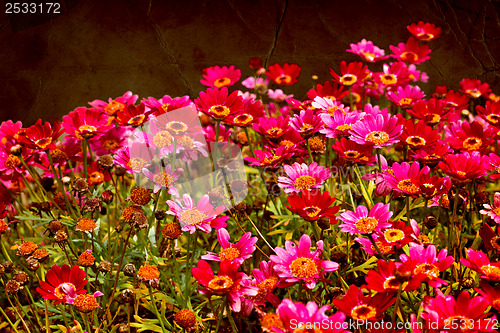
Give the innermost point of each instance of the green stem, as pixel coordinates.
(217, 130)
(8, 320)
(63, 314)
(84, 152)
(157, 313)
(250, 141)
(309, 150)
(374, 243)
(231, 320)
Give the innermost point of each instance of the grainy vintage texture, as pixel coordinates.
(96, 49)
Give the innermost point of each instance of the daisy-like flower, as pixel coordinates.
(96, 175)
(203, 216)
(327, 105)
(490, 293)
(272, 128)
(433, 154)
(492, 163)
(291, 139)
(87, 302)
(217, 103)
(134, 115)
(313, 206)
(411, 52)
(226, 283)
(462, 168)
(404, 178)
(278, 95)
(432, 111)
(285, 76)
(418, 135)
(478, 261)
(363, 221)
(63, 284)
(398, 234)
(233, 252)
(366, 50)
(86, 225)
(134, 157)
(432, 186)
(354, 72)
(295, 263)
(474, 88)
(367, 308)
(457, 102)
(367, 245)
(220, 76)
(84, 123)
(383, 280)
(340, 122)
(271, 158)
(491, 113)
(463, 314)
(424, 31)
(353, 152)
(166, 104)
(406, 96)
(297, 317)
(42, 137)
(307, 122)
(163, 178)
(252, 111)
(395, 74)
(467, 136)
(111, 141)
(252, 83)
(427, 261)
(330, 90)
(376, 130)
(115, 106)
(303, 177)
(10, 130)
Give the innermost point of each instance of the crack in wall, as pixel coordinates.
(278, 28)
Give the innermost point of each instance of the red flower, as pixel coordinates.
(418, 135)
(411, 52)
(474, 88)
(462, 168)
(491, 113)
(217, 104)
(492, 294)
(398, 234)
(84, 123)
(220, 76)
(252, 111)
(272, 128)
(360, 307)
(432, 111)
(431, 186)
(432, 155)
(384, 279)
(134, 115)
(63, 284)
(40, 136)
(354, 152)
(469, 137)
(96, 175)
(313, 206)
(267, 158)
(352, 73)
(424, 31)
(330, 90)
(286, 75)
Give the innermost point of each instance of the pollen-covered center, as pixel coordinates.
(351, 154)
(377, 137)
(391, 283)
(312, 211)
(348, 79)
(432, 118)
(111, 144)
(284, 79)
(304, 182)
(472, 143)
(428, 269)
(274, 132)
(176, 127)
(493, 118)
(192, 216)
(86, 131)
(343, 128)
(223, 81)
(368, 55)
(393, 235)
(186, 142)
(148, 272)
(219, 111)
(405, 102)
(137, 120)
(163, 179)
(43, 143)
(388, 79)
(366, 224)
(408, 186)
(243, 119)
(162, 139)
(363, 312)
(491, 271)
(303, 268)
(113, 107)
(137, 163)
(12, 161)
(220, 283)
(229, 254)
(415, 141)
(271, 160)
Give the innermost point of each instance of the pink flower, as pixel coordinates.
(363, 222)
(166, 104)
(339, 123)
(111, 141)
(368, 51)
(220, 76)
(377, 130)
(271, 158)
(278, 95)
(478, 261)
(251, 82)
(218, 103)
(114, 106)
(411, 52)
(163, 178)
(307, 122)
(297, 317)
(404, 177)
(492, 163)
(232, 252)
(203, 216)
(303, 177)
(405, 97)
(296, 263)
(272, 128)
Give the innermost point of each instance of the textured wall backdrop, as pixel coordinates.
(95, 49)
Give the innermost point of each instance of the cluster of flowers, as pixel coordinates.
(417, 174)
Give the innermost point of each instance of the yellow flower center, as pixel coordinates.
(286, 143)
(43, 143)
(493, 118)
(111, 144)
(428, 269)
(348, 79)
(432, 118)
(165, 107)
(383, 247)
(192, 216)
(312, 211)
(12, 161)
(306, 127)
(394, 235)
(219, 111)
(410, 57)
(377, 137)
(270, 160)
(186, 142)
(229, 254)
(283, 79)
(491, 271)
(243, 119)
(304, 182)
(59, 290)
(343, 128)
(405, 102)
(316, 144)
(219, 283)
(392, 283)
(274, 132)
(368, 55)
(388, 79)
(176, 127)
(303, 268)
(408, 186)
(363, 312)
(415, 141)
(162, 139)
(472, 143)
(224, 81)
(351, 154)
(113, 107)
(163, 179)
(366, 224)
(137, 120)
(85, 132)
(474, 93)
(137, 163)
(331, 110)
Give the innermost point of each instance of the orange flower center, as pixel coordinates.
(165, 107)
(137, 163)
(224, 81)
(85, 131)
(344, 128)
(12, 161)
(493, 118)
(351, 154)
(391, 283)
(363, 312)
(409, 57)
(286, 143)
(96, 177)
(474, 93)
(377, 137)
(162, 139)
(383, 247)
(111, 144)
(271, 160)
(303, 268)
(415, 141)
(368, 56)
(304, 182)
(432, 118)
(408, 186)
(85, 303)
(316, 144)
(163, 179)
(192, 216)
(274, 132)
(148, 272)
(229, 254)
(428, 269)
(186, 142)
(220, 283)
(312, 211)
(331, 110)
(283, 79)
(219, 111)
(176, 127)
(472, 143)
(394, 235)
(388, 79)
(43, 143)
(86, 224)
(491, 271)
(113, 107)
(366, 224)
(137, 120)
(348, 79)
(405, 102)
(243, 119)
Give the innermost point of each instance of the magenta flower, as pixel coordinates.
(464, 167)
(232, 252)
(303, 177)
(111, 141)
(492, 163)
(493, 212)
(272, 128)
(405, 97)
(113, 106)
(307, 122)
(404, 177)
(166, 104)
(366, 50)
(478, 261)
(296, 263)
(379, 130)
(363, 222)
(203, 216)
(271, 158)
(220, 76)
(297, 317)
(426, 261)
(163, 178)
(411, 52)
(340, 123)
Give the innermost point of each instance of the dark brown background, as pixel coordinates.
(51, 64)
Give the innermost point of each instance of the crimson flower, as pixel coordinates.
(383, 280)
(220, 76)
(270, 158)
(491, 113)
(462, 168)
(404, 177)
(424, 31)
(84, 123)
(252, 111)
(40, 136)
(333, 91)
(490, 293)
(63, 284)
(418, 135)
(218, 104)
(313, 205)
(469, 137)
(432, 111)
(411, 52)
(286, 75)
(405, 97)
(478, 261)
(359, 307)
(134, 115)
(354, 152)
(474, 88)
(272, 128)
(350, 74)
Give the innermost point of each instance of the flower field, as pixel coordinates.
(369, 206)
